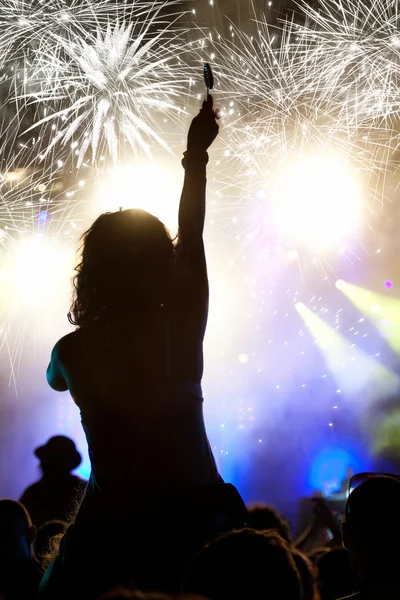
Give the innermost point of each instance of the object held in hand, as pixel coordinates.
(209, 81)
(208, 77)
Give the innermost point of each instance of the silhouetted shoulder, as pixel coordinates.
(30, 491)
(64, 345)
(59, 357)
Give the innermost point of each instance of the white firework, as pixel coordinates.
(39, 220)
(24, 24)
(287, 118)
(106, 75)
(356, 45)
(114, 89)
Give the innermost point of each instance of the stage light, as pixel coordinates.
(340, 284)
(354, 371)
(145, 185)
(300, 307)
(387, 436)
(388, 285)
(317, 201)
(380, 309)
(329, 469)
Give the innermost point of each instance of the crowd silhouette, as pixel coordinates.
(155, 520)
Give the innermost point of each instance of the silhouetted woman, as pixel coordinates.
(135, 363)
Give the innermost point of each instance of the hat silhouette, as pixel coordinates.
(59, 451)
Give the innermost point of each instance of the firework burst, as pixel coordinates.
(25, 24)
(77, 78)
(287, 119)
(356, 46)
(114, 89)
(39, 217)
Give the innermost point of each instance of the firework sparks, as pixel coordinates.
(296, 100)
(24, 24)
(113, 90)
(357, 48)
(283, 111)
(77, 77)
(39, 219)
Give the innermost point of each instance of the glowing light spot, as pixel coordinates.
(329, 468)
(317, 200)
(374, 308)
(38, 269)
(243, 358)
(388, 284)
(43, 216)
(156, 189)
(340, 284)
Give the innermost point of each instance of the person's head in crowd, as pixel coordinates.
(19, 573)
(263, 517)
(336, 575)
(317, 553)
(127, 242)
(58, 457)
(371, 529)
(46, 536)
(245, 564)
(307, 574)
(16, 534)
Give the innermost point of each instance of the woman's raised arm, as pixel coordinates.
(202, 133)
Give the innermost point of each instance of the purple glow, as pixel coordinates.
(388, 285)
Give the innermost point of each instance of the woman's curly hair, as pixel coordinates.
(125, 266)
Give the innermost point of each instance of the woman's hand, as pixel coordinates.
(204, 128)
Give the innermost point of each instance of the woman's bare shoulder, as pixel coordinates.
(65, 345)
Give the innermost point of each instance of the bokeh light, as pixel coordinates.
(43, 216)
(340, 284)
(36, 273)
(329, 468)
(151, 186)
(317, 201)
